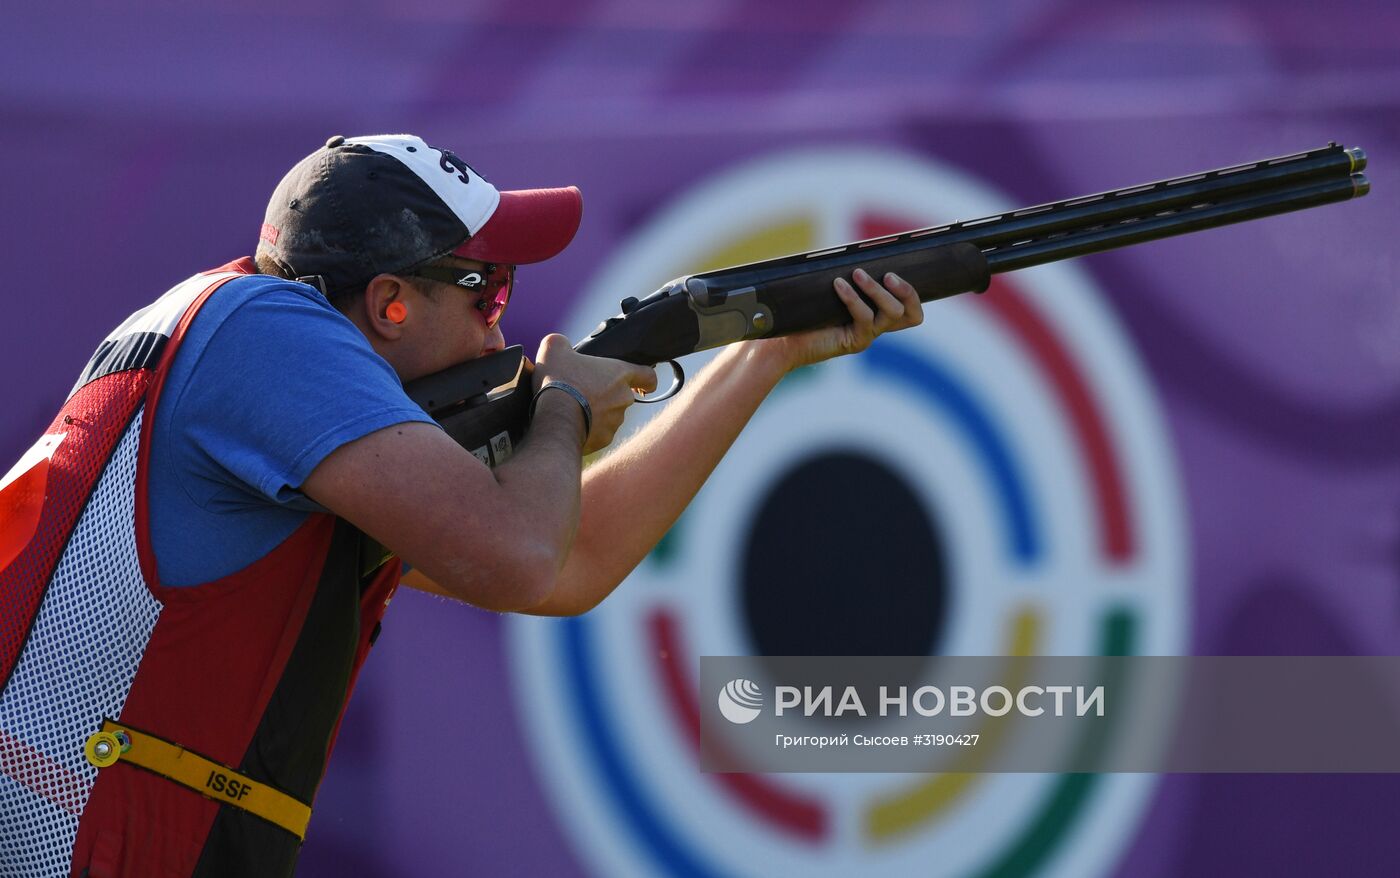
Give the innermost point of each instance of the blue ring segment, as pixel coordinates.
(925, 378)
(670, 852)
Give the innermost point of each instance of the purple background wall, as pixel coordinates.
(140, 141)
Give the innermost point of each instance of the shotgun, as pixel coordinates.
(484, 404)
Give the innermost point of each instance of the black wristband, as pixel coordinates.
(578, 397)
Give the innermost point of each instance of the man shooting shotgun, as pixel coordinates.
(194, 557)
(198, 551)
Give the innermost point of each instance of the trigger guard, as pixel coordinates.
(671, 391)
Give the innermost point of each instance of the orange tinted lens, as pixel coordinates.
(497, 296)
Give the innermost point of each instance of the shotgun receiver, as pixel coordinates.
(484, 404)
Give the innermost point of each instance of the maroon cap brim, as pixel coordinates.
(529, 225)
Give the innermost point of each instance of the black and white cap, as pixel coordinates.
(362, 206)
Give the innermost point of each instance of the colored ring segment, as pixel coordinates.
(1070, 795)
(795, 815)
(1118, 543)
(670, 852)
(892, 816)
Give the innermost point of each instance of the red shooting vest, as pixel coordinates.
(252, 670)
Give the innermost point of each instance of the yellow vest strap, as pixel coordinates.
(210, 779)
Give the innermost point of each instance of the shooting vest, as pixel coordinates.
(153, 731)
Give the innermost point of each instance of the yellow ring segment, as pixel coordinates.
(896, 814)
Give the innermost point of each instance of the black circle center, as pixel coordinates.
(843, 559)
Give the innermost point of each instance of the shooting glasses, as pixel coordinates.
(493, 281)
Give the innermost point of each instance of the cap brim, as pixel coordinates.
(529, 225)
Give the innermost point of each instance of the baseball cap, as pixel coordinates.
(362, 206)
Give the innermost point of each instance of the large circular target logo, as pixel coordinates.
(998, 481)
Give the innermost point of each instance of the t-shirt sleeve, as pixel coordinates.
(283, 381)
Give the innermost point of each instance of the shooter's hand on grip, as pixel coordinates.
(607, 384)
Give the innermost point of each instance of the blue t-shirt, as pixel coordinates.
(268, 381)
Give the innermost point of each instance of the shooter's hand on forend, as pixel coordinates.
(886, 307)
(607, 384)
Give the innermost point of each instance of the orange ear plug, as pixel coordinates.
(397, 312)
